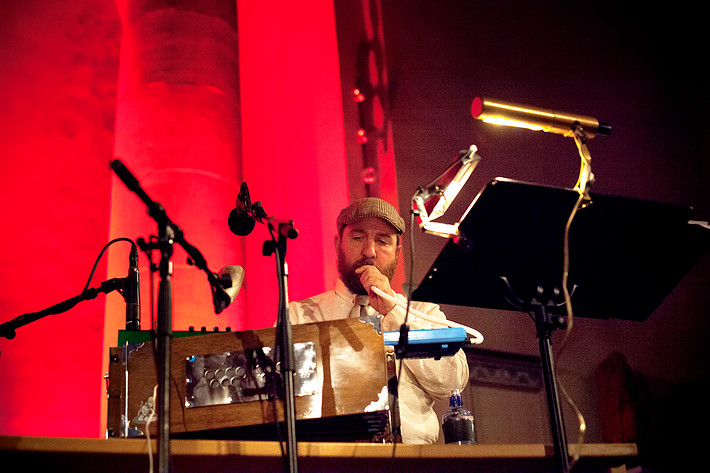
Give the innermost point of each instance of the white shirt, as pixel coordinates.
(422, 381)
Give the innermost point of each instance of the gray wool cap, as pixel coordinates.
(371, 207)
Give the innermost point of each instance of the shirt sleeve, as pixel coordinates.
(305, 311)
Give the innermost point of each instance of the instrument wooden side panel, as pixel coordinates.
(351, 378)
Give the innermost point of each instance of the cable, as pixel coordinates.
(474, 333)
(478, 337)
(151, 415)
(568, 330)
(410, 283)
(96, 263)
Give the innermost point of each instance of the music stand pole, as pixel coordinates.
(545, 325)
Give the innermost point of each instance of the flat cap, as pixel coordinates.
(371, 207)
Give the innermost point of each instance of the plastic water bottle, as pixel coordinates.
(458, 422)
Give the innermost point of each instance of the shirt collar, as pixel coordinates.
(343, 292)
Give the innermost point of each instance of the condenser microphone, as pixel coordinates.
(131, 292)
(241, 220)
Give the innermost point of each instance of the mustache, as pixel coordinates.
(363, 262)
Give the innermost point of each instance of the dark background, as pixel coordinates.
(629, 64)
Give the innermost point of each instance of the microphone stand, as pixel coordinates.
(277, 246)
(7, 330)
(168, 234)
(164, 337)
(166, 237)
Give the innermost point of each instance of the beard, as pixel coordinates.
(352, 280)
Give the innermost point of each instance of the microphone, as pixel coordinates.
(231, 278)
(242, 219)
(131, 293)
(241, 223)
(538, 119)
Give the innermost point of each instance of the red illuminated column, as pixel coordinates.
(178, 132)
(294, 145)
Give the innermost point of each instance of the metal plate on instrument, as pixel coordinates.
(251, 375)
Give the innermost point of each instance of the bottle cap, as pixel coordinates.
(455, 399)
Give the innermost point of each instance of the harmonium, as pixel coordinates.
(225, 385)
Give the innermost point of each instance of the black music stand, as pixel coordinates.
(626, 255)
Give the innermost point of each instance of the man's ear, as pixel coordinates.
(336, 241)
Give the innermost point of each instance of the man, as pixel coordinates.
(368, 246)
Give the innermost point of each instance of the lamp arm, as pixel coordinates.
(586, 177)
(445, 187)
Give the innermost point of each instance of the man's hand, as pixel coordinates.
(370, 277)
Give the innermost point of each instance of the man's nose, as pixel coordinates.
(368, 249)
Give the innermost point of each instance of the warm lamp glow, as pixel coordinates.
(537, 119)
(579, 127)
(515, 123)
